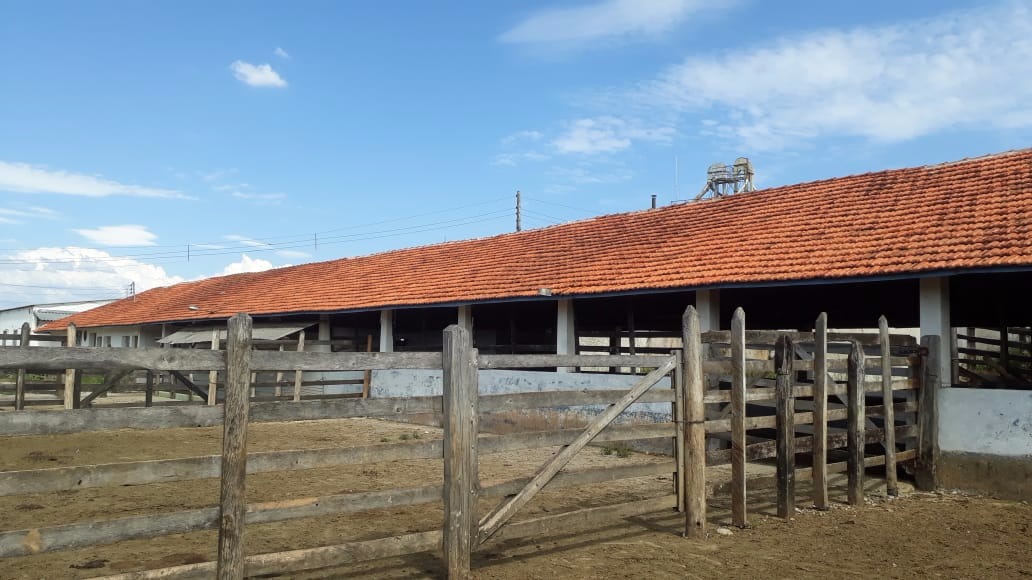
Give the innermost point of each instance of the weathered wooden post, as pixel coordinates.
(694, 467)
(855, 427)
(461, 417)
(213, 375)
(148, 393)
(234, 449)
(19, 387)
(784, 353)
(889, 413)
(820, 413)
(738, 442)
(925, 475)
(677, 382)
(69, 382)
(299, 375)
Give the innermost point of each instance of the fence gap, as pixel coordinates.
(694, 468)
(855, 428)
(738, 439)
(232, 503)
(461, 412)
(784, 353)
(820, 413)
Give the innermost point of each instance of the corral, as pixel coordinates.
(307, 499)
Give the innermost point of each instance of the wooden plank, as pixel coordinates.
(767, 338)
(232, 503)
(891, 484)
(678, 416)
(820, 413)
(738, 443)
(148, 390)
(460, 451)
(279, 563)
(69, 384)
(508, 402)
(213, 375)
(694, 426)
(804, 444)
(585, 476)
(872, 461)
(926, 474)
(784, 353)
(271, 360)
(19, 388)
(517, 361)
(515, 441)
(801, 391)
(161, 359)
(588, 518)
(187, 468)
(367, 375)
(855, 426)
(497, 518)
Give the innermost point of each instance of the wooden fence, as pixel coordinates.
(993, 357)
(460, 407)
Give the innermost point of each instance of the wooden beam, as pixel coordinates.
(19, 388)
(69, 384)
(889, 416)
(232, 504)
(738, 442)
(926, 476)
(820, 413)
(694, 427)
(213, 375)
(784, 354)
(460, 451)
(855, 425)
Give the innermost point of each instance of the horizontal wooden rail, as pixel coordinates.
(721, 366)
(839, 467)
(517, 361)
(804, 444)
(533, 440)
(516, 401)
(767, 393)
(82, 420)
(278, 563)
(804, 418)
(767, 338)
(993, 354)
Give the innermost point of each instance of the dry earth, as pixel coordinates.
(937, 535)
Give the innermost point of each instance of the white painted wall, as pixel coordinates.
(935, 319)
(707, 303)
(986, 421)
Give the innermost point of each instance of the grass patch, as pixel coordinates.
(619, 449)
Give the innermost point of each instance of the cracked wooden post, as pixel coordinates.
(925, 475)
(234, 449)
(784, 352)
(19, 387)
(889, 414)
(694, 427)
(820, 413)
(855, 427)
(69, 378)
(461, 412)
(738, 433)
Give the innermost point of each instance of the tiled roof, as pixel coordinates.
(970, 214)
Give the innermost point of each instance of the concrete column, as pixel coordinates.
(324, 334)
(707, 303)
(386, 331)
(935, 319)
(565, 331)
(465, 318)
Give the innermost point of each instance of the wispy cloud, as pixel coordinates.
(267, 197)
(217, 174)
(26, 178)
(245, 241)
(606, 135)
(124, 235)
(9, 215)
(257, 75)
(519, 147)
(887, 83)
(281, 53)
(604, 20)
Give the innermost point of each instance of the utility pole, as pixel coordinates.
(519, 209)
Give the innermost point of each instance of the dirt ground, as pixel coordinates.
(943, 535)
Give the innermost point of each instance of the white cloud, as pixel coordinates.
(53, 274)
(520, 147)
(26, 178)
(125, 235)
(247, 264)
(267, 197)
(521, 136)
(217, 174)
(10, 215)
(281, 53)
(260, 75)
(607, 19)
(605, 135)
(245, 241)
(887, 83)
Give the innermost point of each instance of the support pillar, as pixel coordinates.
(565, 331)
(707, 303)
(465, 319)
(935, 320)
(386, 331)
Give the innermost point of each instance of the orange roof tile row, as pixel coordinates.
(968, 214)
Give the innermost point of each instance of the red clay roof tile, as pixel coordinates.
(967, 214)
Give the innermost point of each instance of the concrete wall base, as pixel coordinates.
(996, 475)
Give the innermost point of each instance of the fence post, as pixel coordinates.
(820, 413)
(299, 375)
(784, 352)
(694, 467)
(213, 375)
(148, 393)
(69, 382)
(738, 442)
(461, 411)
(925, 475)
(19, 387)
(678, 414)
(855, 426)
(889, 413)
(234, 449)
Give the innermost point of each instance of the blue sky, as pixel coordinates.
(155, 142)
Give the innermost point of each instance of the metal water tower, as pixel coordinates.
(722, 180)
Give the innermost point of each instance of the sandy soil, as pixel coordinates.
(939, 535)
